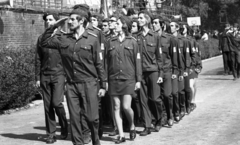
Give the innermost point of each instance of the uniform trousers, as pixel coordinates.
(188, 92)
(226, 61)
(52, 87)
(235, 63)
(167, 94)
(181, 93)
(82, 101)
(150, 96)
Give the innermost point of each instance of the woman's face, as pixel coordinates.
(134, 27)
(142, 20)
(119, 25)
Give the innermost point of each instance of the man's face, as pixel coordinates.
(156, 25)
(134, 27)
(184, 29)
(119, 26)
(142, 20)
(112, 23)
(94, 21)
(174, 27)
(49, 21)
(74, 23)
(105, 27)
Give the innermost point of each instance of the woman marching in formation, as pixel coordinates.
(153, 69)
(124, 74)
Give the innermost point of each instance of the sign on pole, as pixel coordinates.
(194, 21)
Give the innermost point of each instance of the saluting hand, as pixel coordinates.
(137, 86)
(101, 92)
(160, 80)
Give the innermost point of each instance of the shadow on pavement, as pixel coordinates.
(216, 79)
(105, 138)
(44, 128)
(28, 136)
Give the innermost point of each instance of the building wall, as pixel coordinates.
(20, 29)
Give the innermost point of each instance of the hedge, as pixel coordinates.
(209, 48)
(17, 73)
(16, 77)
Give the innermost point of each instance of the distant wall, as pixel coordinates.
(20, 29)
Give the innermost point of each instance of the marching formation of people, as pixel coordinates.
(131, 70)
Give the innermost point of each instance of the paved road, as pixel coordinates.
(216, 121)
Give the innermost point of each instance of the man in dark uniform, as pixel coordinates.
(50, 77)
(170, 67)
(83, 64)
(92, 28)
(224, 47)
(150, 92)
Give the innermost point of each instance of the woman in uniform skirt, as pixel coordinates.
(123, 63)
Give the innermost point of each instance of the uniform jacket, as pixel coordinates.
(123, 59)
(47, 61)
(198, 56)
(82, 59)
(169, 52)
(149, 45)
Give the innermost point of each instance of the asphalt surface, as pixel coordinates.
(215, 121)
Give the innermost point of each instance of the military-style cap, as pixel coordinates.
(97, 16)
(147, 13)
(84, 7)
(157, 17)
(127, 22)
(183, 23)
(80, 12)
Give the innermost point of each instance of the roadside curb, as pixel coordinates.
(211, 58)
(30, 105)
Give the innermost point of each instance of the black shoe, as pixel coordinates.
(132, 134)
(114, 133)
(51, 139)
(193, 106)
(170, 122)
(86, 139)
(188, 111)
(120, 140)
(177, 118)
(182, 114)
(64, 132)
(158, 125)
(145, 132)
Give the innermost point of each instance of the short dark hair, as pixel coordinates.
(55, 15)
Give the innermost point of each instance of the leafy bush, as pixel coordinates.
(16, 77)
(209, 48)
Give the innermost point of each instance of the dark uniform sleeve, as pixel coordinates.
(138, 62)
(220, 42)
(193, 55)
(199, 63)
(38, 57)
(174, 56)
(181, 65)
(159, 57)
(98, 61)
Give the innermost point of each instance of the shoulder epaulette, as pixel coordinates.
(92, 34)
(133, 38)
(63, 32)
(96, 28)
